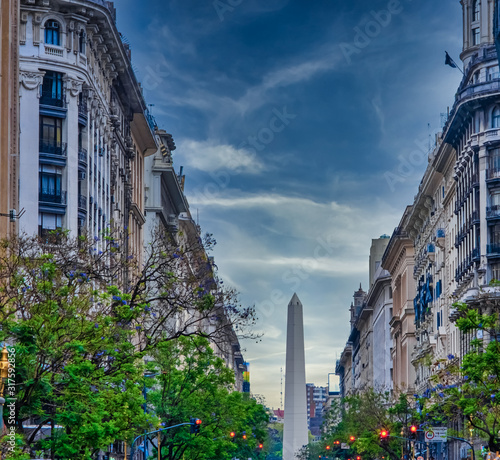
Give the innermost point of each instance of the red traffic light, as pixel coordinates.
(413, 429)
(384, 434)
(352, 438)
(261, 446)
(244, 436)
(358, 458)
(198, 421)
(232, 434)
(336, 442)
(327, 447)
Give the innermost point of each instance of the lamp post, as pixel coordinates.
(132, 447)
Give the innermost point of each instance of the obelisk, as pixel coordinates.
(295, 430)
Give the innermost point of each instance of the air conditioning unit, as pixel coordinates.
(82, 175)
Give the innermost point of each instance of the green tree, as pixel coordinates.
(80, 340)
(193, 382)
(467, 395)
(364, 415)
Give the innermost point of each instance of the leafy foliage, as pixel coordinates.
(364, 415)
(192, 382)
(469, 392)
(80, 340)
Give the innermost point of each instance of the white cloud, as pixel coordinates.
(209, 156)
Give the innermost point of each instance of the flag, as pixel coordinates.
(449, 61)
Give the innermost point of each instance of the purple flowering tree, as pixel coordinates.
(465, 394)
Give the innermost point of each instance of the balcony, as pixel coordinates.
(493, 250)
(493, 176)
(82, 203)
(56, 198)
(52, 147)
(82, 157)
(475, 217)
(53, 50)
(52, 99)
(493, 212)
(51, 236)
(83, 112)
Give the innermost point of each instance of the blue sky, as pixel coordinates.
(303, 129)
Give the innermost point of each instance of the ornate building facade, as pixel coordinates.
(9, 115)
(85, 130)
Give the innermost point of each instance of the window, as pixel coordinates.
(492, 73)
(495, 199)
(52, 89)
(50, 135)
(476, 36)
(50, 184)
(81, 41)
(495, 235)
(52, 33)
(494, 159)
(47, 223)
(495, 272)
(476, 6)
(495, 118)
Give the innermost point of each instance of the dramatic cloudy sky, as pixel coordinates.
(301, 139)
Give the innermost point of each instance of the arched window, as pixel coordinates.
(476, 6)
(52, 33)
(495, 118)
(81, 41)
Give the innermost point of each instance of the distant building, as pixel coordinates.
(366, 360)
(398, 260)
(316, 403)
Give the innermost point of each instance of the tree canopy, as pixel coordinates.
(82, 318)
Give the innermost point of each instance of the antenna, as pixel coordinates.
(429, 131)
(281, 392)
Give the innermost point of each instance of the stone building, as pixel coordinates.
(82, 150)
(365, 361)
(398, 260)
(9, 115)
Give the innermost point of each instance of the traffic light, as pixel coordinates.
(232, 434)
(336, 442)
(327, 447)
(384, 436)
(195, 425)
(352, 438)
(244, 435)
(413, 432)
(261, 446)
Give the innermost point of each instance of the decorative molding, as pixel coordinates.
(37, 20)
(22, 27)
(31, 80)
(73, 86)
